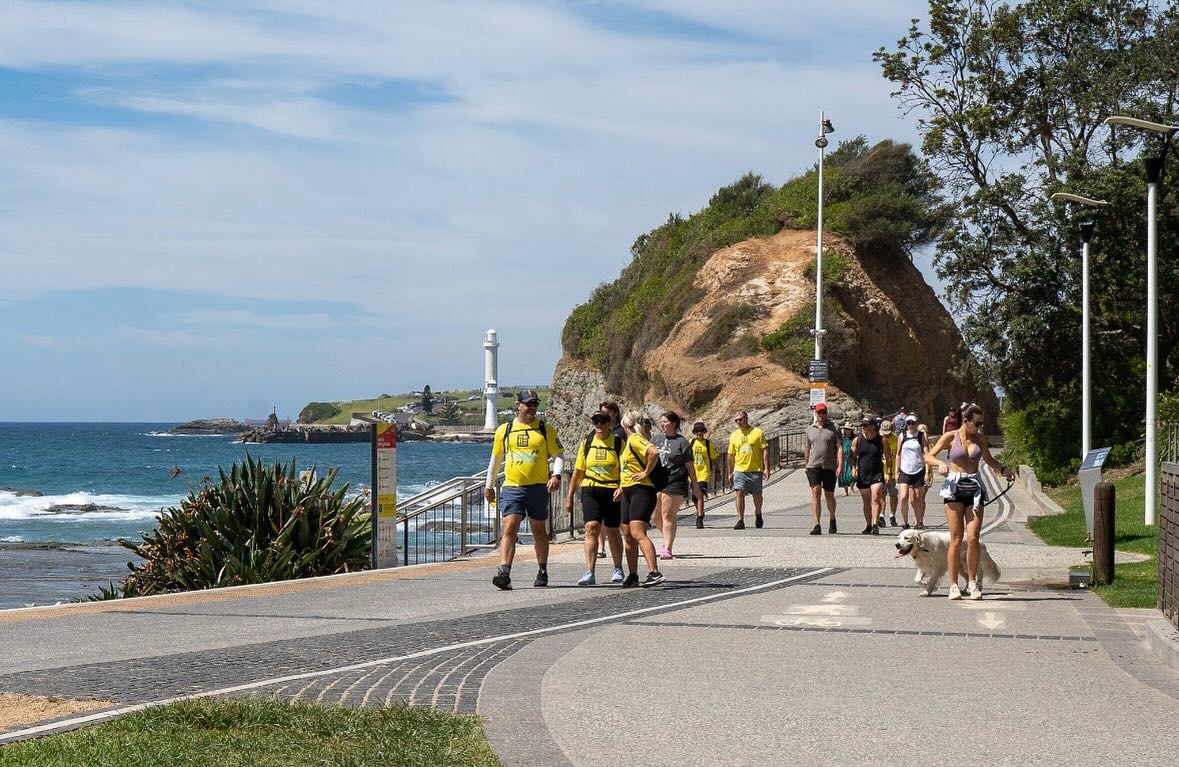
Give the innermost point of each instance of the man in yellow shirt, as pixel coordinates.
(526, 445)
(703, 454)
(890, 472)
(749, 464)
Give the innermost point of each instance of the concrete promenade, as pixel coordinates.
(765, 646)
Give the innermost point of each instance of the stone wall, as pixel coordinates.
(1169, 544)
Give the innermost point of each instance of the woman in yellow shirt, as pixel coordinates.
(597, 473)
(637, 494)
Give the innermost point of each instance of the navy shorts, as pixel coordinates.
(530, 501)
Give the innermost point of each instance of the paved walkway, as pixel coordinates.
(766, 646)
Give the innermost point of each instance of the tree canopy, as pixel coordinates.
(1010, 102)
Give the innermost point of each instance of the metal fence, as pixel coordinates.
(452, 519)
(1168, 601)
(1169, 442)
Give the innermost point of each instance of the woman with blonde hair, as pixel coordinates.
(638, 497)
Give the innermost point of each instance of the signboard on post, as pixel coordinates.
(817, 371)
(818, 394)
(1088, 478)
(384, 497)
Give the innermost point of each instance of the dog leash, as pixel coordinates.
(1010, 484)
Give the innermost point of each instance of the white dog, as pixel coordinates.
(929, 548)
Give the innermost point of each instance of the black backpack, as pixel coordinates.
(658, 475)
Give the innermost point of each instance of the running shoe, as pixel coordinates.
(587, 579)
(502, 581)
(542, 579)
(699, 523)
(654, 578)
(740, 525)
(617, 577)
(758, 521)
(867, 530)
(665, 553)
(875, 529)
(631, 581)
(892, 521)
(817, 530)
(831, 527)
(918, 527)
(905, 526)
(975, 591)
(602, 554)
(955, 592)
(880, 521)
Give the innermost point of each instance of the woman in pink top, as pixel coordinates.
(950, 422)
(963, 493)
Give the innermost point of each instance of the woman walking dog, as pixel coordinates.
(963, 493)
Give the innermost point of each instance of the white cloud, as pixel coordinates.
(38, 341)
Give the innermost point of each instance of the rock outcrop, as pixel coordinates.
(207, 426)
(890, 343)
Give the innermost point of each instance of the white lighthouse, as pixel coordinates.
(490, 379)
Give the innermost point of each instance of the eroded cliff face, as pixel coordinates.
(890, 343)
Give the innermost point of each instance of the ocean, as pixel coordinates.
(103, 481)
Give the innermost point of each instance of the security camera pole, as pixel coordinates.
(825, 127)
(1086, 380)
(1154, 169)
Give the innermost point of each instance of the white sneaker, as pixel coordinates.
(955, 592)
(617, 577)
(975, 591)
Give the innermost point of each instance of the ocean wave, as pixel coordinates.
(170, 434)
(83, 506)
(12, 539)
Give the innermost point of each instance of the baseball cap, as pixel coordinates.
(911, 418)
(867, 421)
(821, 407)
(527, 395)
(699, 426)
(599, 417)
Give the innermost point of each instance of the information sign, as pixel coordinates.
(818, 394)
(817, 371)
(1088, 478)
(384, 481)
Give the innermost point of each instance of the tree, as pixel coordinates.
(1010, 103)
(427, 400)
(450, 413)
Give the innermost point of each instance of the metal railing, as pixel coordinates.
(453, 519)
(1168, 442)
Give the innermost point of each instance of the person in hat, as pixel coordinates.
(597, 474)
(910, 462)
(704, 454)
(868, 470)
(847, 433)
(822, 453)
(889, 437)
(533, 458)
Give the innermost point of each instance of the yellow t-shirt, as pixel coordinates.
(528, 454)
(634, 460)
(890, 454)
(703, 454)
(746, 447)
(602, 467)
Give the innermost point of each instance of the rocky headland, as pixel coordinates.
(210, 426)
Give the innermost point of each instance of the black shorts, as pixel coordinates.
(598, 505)
(638, 503)
(826, 477)
(916, 479)
(679, 488)
(703, 489)
(865, 483)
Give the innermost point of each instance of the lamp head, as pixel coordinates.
(1067, 197)
(821, 142)
(1134, 122)
(827, 127)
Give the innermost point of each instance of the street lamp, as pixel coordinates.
(1154, 169)
(825, 127)
(1086, 380)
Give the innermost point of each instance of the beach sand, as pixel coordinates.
(16, 710)
(32, 575)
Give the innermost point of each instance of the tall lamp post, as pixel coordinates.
(1154, 169)
(825, 127)
(1086, 380)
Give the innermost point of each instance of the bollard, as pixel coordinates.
(1103, 533)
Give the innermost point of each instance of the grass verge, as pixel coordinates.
(1136, 584)
(229, 733)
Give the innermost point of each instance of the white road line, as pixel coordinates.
(111, 713)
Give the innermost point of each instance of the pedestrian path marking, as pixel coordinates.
(822, 610)
(991, 604)
(992, 620)
(64, 724)
(816, 621)
(835, 596)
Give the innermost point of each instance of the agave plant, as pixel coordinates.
(257, 524)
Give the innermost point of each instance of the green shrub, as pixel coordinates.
(255, 525)
(318, 411)
(726, 319)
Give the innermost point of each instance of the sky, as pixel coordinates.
(218, 208)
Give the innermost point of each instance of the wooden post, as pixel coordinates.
(1104, 502)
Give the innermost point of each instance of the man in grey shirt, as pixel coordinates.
(822, 455)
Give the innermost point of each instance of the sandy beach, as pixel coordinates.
(45, 575)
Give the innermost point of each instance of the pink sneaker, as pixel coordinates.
(665, 553)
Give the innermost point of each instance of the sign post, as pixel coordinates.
(817, 373)
(384, 495)
(1088, 477)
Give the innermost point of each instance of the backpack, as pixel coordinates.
(541, 428)
(658, 474)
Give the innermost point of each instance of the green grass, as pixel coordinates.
(230, 733)
(1135, 585)
(389, 404)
